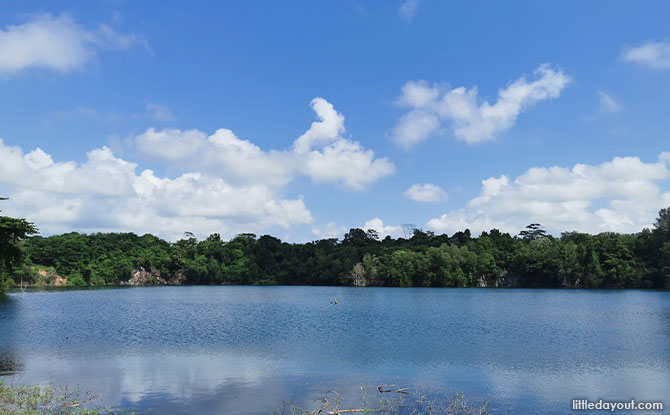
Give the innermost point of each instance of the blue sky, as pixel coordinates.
(304, 119)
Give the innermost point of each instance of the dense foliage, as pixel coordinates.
(534, 259)
(12, 232)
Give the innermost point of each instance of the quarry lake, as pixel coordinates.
(244, 350)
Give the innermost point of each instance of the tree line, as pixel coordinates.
(492, 259)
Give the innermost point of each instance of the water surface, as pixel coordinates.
(180, 350)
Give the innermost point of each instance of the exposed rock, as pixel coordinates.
(484, 283)
(503, 280)
(140, 276)
(50, 277)
(178, 278)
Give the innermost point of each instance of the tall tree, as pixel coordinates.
(12, 231)
(662, 224)
(533, 232)
(662, 233)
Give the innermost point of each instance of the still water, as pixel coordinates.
(244, 350)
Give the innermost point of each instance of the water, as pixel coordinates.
(227, 350)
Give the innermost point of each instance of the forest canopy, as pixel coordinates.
(492, 259)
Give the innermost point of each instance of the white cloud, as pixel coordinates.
(221, 153)
(470, 120)
(414, 127)
(105, 193)
(321, 153)
(425, 193)
(330, 230)
(656, 55)
(329, 127)
(622, 195)
(408, 9)
(57, 42)
(608, 103)
(224, 184)
(171, 144)
(334, 230)
(461, 220)
(36, 170)
(383, 231)
(346, 162)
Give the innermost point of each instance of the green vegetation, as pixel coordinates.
(12, 232)
(532, 259)
(34, 400)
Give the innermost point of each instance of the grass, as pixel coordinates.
(36, 400)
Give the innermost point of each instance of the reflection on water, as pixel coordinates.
(9, 362)
(9, 356)
(173, 350)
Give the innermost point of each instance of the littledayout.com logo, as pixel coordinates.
(601, 405)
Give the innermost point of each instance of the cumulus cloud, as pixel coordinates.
(329, 127)
(426, 192)
(106, 193)
(655, 55)
(346, 162)
(471, 120)
(36, 170)
(321, 153)
(223, 183)
(608, 103)
(622, 195)
(408, 9)
(57, 42)
(414, 127)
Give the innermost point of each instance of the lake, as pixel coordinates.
(244, 350)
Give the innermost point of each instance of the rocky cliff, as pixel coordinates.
(140, 276)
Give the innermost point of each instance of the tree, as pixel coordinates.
(372, 234)
(408, 229)
(357, 275)
(12, 231)
(662, 224)
(662, 244)
(533, 232)
(356, 236)
(533, 259)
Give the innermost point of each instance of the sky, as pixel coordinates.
(304, 119)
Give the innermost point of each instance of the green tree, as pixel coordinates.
(662, 224)
(661, 238)
(533, 232)
(12, 232)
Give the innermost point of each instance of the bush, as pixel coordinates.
(76, 280)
